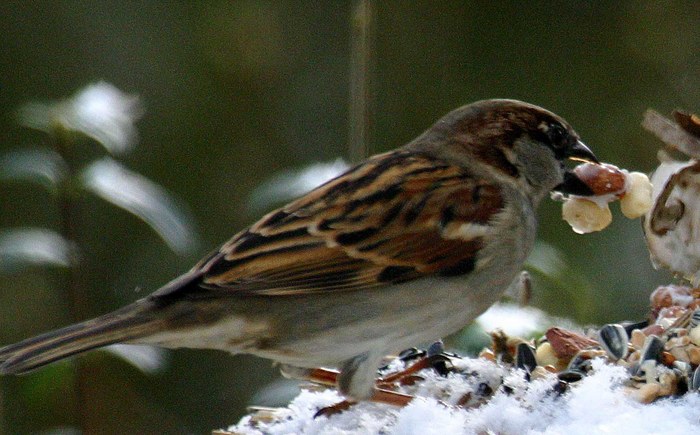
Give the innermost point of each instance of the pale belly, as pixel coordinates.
(328, 328)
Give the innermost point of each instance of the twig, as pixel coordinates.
(671, 133)
(73, 289)
(361, 48)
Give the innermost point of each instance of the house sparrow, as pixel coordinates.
(406, 247)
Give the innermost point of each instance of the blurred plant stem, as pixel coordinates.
(3, 419)
(361, 68)
(73, 288)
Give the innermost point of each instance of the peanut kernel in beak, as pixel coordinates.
(586, 216)
(609, 183)
(637, 200)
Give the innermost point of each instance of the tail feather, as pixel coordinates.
(119, 326)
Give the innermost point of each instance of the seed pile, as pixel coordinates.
(661, 357)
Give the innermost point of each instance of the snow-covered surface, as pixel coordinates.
(595, 405)
(519, 321)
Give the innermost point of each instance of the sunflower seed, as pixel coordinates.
(694, 319)
(652, 348)
(613, 339)
(695, 381)
(570, 376)
(525, 358)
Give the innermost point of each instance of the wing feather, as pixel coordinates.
(398, 217)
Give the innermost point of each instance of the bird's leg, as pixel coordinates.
(521, 289)
(329, 377)
(381, 393)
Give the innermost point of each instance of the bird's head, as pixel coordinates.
(516, 142)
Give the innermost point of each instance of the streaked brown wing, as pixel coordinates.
(398, 217)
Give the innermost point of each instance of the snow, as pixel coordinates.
(598, 404)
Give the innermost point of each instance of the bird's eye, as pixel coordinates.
(558, 136)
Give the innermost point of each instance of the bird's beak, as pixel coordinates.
(579, 151)
(573, 185)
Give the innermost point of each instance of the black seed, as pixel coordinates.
(436, 348)
(613, 339)
(631, 326)
(411, 354)
(580, 363)
(695, 319)
(484, 389)
(695, 380)
(525, 357)
(570, 376)
(441, 364)
(561, 387)
(652, 348)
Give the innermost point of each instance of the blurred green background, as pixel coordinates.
(236, 91)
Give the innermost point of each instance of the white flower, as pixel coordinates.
(100, 111)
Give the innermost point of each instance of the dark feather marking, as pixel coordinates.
(355, 237)
(276, 218)
(325, 224)
(362, 180)
(437, 258)
(413, 212)
(384, 195)
(462, 267)
(426, 169)
(330, 280)
(495, 157)
(372, 246)
(490, 203)
(392, 214)
(447, 216)
(476, 194)
(395, 273)
(222, 266)
(253, 240)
